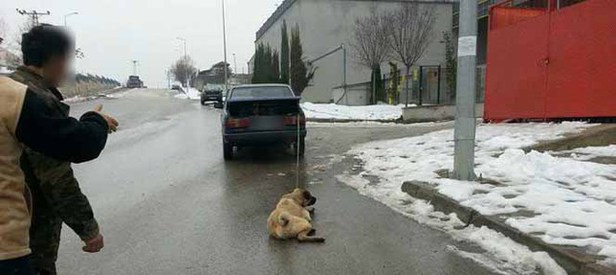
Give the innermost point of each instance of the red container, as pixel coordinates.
(551, 63)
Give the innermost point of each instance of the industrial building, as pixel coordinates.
(327, 24)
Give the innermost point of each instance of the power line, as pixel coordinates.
(33, 14)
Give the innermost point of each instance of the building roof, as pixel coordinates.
(286, 4)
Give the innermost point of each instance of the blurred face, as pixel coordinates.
(56, 70)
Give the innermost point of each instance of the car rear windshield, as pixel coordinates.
(285, 107)
(260, 92)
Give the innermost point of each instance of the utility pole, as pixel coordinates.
(183, 40)
(234, 64)
(135, 67)
(34, 15)
(464, 135)
(224, 41)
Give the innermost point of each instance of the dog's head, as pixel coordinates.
(304, 197)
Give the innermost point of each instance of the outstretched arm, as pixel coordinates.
(63, 138)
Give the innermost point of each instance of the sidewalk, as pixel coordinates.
(560, 199)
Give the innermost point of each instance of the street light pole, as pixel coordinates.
(224, 41)
(464, 135)
(183, 40)
(67, 15)
(234, 63)
(135, 67)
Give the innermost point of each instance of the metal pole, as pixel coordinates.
(344, 74)
(420, 85)
(438, 86)
(464, 135)
(406, 86)
(184, 41)
(224, 41)
(373, 87)
(234, 63)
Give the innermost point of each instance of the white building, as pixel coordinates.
(326, 24)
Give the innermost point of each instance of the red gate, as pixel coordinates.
(546, 62)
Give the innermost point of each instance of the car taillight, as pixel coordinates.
(237, 122)
(292, 120)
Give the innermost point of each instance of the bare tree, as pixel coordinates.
(409, 31)
(3, 30)
(183, 70)
(370, 45)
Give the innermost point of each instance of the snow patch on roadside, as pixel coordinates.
(370, 112)
(74, 99)
(189, 93)
(563, 193)
(504, 255)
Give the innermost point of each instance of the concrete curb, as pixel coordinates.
(572, 261)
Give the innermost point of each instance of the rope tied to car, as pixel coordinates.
(297, 151)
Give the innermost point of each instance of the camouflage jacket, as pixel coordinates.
(55, 192)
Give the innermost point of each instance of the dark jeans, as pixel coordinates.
(19, 266)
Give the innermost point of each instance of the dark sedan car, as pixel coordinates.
(262, 115)
(211, 95)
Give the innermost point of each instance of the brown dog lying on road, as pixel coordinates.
(291, 218)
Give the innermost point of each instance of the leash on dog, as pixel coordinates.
(297, 146)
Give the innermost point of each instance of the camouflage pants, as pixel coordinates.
(45, 241)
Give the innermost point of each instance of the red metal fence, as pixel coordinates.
(549, 61)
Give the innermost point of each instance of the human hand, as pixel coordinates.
(94, 245)
(111, 122)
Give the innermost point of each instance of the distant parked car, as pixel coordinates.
(211, 95)
(176, 88)
(262, 115)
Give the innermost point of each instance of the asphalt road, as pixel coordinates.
(169, 204)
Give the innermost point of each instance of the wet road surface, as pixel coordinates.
(168, 203)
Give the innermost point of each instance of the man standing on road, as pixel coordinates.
(56, 195)
(27, 118)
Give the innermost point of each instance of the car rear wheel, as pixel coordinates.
(227, 150)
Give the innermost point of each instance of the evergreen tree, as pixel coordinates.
(377, 84)
(284, 54)
(301, 71)
(259, 71)
(255, 69)
(275, 68)
(267, 65)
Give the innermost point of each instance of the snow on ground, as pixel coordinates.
(189, 93)
(74, 99)
(573, 201)
(370, 112)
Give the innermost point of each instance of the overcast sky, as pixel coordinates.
(111, 33)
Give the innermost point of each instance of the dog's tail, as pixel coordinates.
(305, 238)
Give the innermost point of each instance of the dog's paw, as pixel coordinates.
(310, 210)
